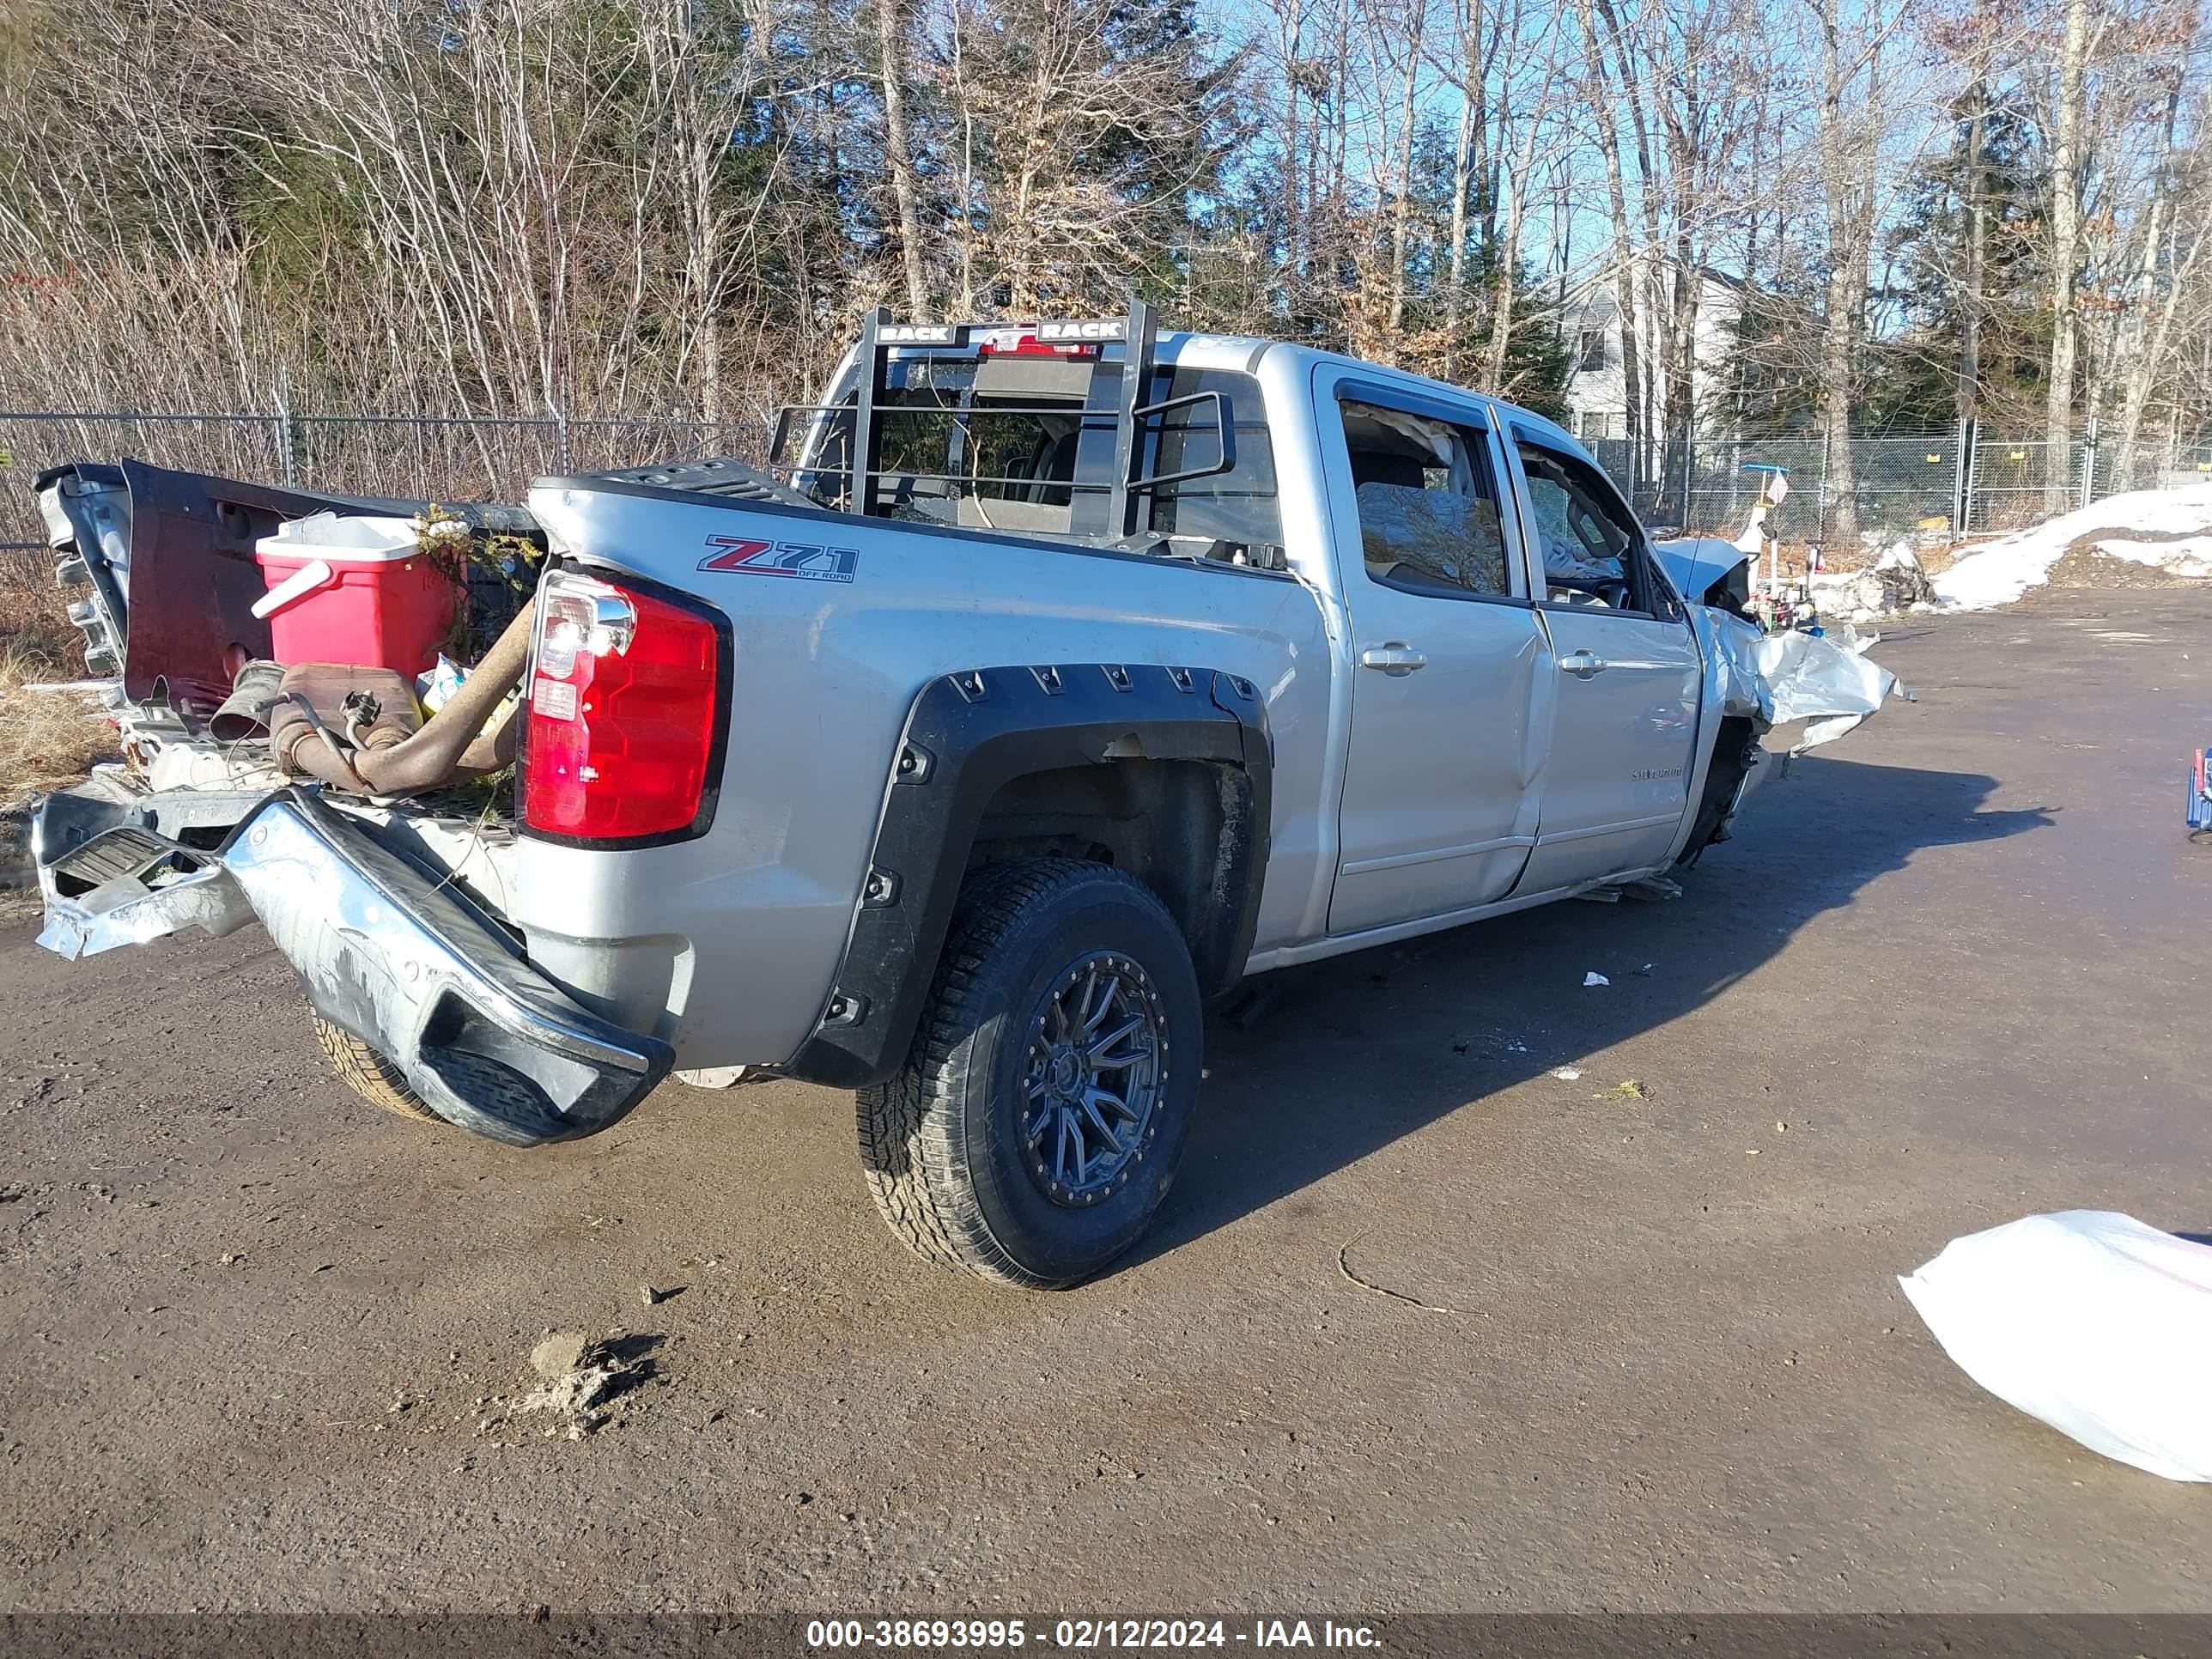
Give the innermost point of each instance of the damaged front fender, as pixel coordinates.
(1758, 682)
(1776, 678)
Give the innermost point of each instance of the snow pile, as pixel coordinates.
(1999, 572)
(2192, 558)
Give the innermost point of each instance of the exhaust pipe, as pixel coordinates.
(454, 742)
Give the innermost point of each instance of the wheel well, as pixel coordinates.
(1736, 748)
(1164, 773)
(1184, 828)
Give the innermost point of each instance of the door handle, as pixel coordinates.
(1397, 659)
(1582, 664)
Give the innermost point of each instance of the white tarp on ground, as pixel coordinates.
(1999, 572)
(1798, 677)
(2090, 1321)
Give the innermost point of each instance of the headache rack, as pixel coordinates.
(1076, 339)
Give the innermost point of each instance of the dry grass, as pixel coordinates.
(34, 614)
(47, 738)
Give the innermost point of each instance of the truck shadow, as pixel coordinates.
(1350, 1054)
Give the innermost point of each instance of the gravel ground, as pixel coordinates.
(1427, 1327)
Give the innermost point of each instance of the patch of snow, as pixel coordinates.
(1999, 572)
(2192, 558)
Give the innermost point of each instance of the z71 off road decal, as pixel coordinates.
(807, 560)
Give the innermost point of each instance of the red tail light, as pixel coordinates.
(625, 714)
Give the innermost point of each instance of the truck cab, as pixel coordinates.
(1494, 597)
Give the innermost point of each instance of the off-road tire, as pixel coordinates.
(940, 1140)
(368, 1073)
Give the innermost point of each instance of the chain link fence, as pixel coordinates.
(1964, 482)
(1959, 482)
(2150, 463)
(1898, 486)
(410, 457)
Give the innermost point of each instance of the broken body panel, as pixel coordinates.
(390, 948)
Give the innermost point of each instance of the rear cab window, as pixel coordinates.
(1025, 444)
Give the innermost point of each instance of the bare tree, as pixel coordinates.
(546, 209)
(1401, 204)
(2173, 235)
(1623, 256)
(1477, 53)
(894, 67)
(1849, 137)
(2066, 170)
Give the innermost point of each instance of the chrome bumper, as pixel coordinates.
(399, 959)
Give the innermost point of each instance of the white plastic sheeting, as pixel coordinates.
(2092, 1322)
(1798, 677)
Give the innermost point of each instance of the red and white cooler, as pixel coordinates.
(353, 589)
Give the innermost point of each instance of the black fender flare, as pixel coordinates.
(966, 735)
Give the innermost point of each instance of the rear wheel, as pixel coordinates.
(368, 1073)
(1037, 1123)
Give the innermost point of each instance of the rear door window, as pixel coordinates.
(1428, 505)
(1238, 507)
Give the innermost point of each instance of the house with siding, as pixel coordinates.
(1596, 395)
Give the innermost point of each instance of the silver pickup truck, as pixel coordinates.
(1067, 675)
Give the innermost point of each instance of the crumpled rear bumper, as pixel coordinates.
(395, 956)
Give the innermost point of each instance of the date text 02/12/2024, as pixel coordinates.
(1083, 1634)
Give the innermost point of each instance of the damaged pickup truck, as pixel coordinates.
(1068, 674)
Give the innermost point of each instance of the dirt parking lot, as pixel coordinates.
(1427, 1326)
